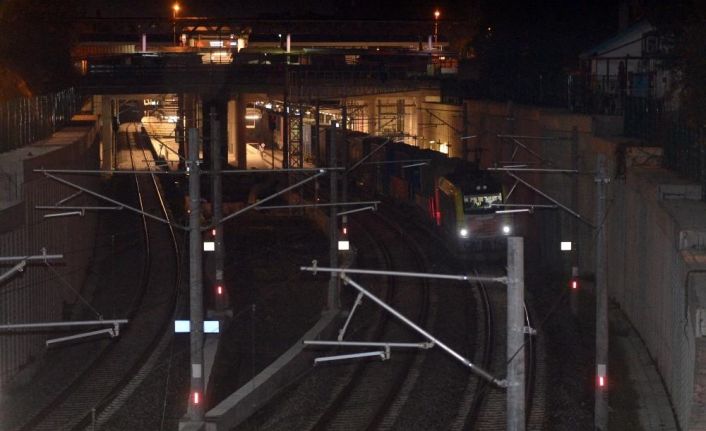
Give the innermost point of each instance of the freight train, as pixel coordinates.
(464, 202)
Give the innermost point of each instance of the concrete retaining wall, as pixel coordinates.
(656, 234)
(39, 294)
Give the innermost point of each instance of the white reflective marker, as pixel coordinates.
(566, 246)
(209, 246)
(344, 245)
(209, 326)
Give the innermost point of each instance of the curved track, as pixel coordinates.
(372, 398)
(149, 306)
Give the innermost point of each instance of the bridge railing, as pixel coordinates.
(26, 120)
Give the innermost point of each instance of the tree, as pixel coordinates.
(36, 42)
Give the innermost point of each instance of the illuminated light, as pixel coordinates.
(602, 378)
(437, 14)
(566, 246)
(213, 232)
(344, 245)
(196, 398)
(253, 114)
(268, 106)
(574, 283)
(463, 232)
(215, 43)
(345, 230)
(209, 326)
(219, 290)
(176, 7)
(209, 246)
(507, 230)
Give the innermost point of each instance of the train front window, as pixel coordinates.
(481, 203)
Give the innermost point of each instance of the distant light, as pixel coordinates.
(345, 230)
(574, 284)
(219, 290)
(344, 245)
(215, 43)
(176, 7)
(566, 246)
(506, 230)
(213, 231)
(268, 106)
(463, 232)
(209, 246)
(601, 381)
(437, 14)
(196, 398)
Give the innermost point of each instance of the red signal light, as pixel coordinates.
(219, 290)
(213, 231)
(602, 381)
(196, 398)
(574, 284)
(345, 230)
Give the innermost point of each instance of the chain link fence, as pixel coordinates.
(26, 120)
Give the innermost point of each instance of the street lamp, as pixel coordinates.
(436, 26)
(175, 12)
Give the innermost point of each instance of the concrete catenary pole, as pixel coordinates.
(515, 334)
(196, 410)
(601, 406)
(333, 301)
(217, 199)
(344, 186)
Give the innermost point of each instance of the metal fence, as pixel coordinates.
(656, 124)
(685, 152)
(26, 120)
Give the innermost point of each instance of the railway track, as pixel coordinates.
(149, 304)
(376, 391)
(483, 406)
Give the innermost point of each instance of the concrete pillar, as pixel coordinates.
(371, 114)
(230, 120)
(236, 130)
(107, 133)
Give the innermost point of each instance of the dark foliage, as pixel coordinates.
(36, 42)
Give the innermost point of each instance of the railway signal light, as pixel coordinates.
(345, 230)
(219, 290)
(574, 280)
(601, 376)
(196, 398)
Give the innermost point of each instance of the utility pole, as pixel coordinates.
(344, 180)
(217, 200)
(602, 334)
(515, 335)
(334, 300)
(195, 409)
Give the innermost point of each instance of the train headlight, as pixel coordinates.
(463, 232)
(507, 229)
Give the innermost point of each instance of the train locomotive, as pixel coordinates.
(463, 201)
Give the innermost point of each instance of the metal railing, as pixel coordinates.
(26, 120)
(683, 145)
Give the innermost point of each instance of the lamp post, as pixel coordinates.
(175, 12)
(436, 26)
